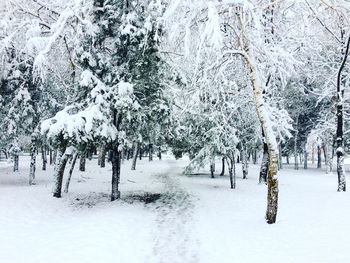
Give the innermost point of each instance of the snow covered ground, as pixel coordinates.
(180, 218)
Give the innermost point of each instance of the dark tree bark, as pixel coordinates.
(32, 160)
(15, 162)
(51, 159)
(134, 158)
(103, 156)
(232, 170)
(264, 165)
(244, 162)
(44, 157)
(319, 156)
(212, 168)
(339, 138)
(150, 152)
(116, 162)
(75, 157)
(160, 153)
(223, 167)
(305, 156)
(59, 170)
(82, 162)
(255, 157)
(287, 157)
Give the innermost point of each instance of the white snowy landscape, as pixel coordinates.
(141, 131)
(196, 219)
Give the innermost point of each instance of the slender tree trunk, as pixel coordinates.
(32, 160)
(59, 170)
(134, 157)
(54, 157)
(318, 156)
(287, 159)
(280, 165)
(116, 163)
(82, 162)
(212, 168)
(75, 157)
(254, 157)
(296, 162)
(160, 153)
(50, 156)
(103, 156)
(264, 165)
(339, 139)
(44, 157)
(232, 170)
(272, 178)
(140, 152)
(15, 162)
(223, 167)
(244, 163)
(150, 152)
(313, 153)
(305, 156)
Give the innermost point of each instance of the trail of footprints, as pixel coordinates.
(173, 241)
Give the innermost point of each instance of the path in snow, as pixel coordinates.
(174, 239)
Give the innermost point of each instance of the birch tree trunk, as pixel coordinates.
(265, 122)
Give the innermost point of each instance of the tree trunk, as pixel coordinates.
(223, 167)
(280, 166)
(70, 173)
(160, 153)
(15, 162)
(318, 156)
(32, 160)
(244, 163)
(140, 152)
(265, 122)
(254, 157)
(51, 159)
(339, 139)
(116, 163)
(44, 157)
(212, 168)
(232, 170)
(134, 157)
(150, 152)
(296, 162)
(103, 156)
(54, 157)
(82, 162)
(264, 165)
(305, 156)
(60, 166)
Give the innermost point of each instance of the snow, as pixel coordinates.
(197, 219)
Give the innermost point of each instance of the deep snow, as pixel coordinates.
(195, 219)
